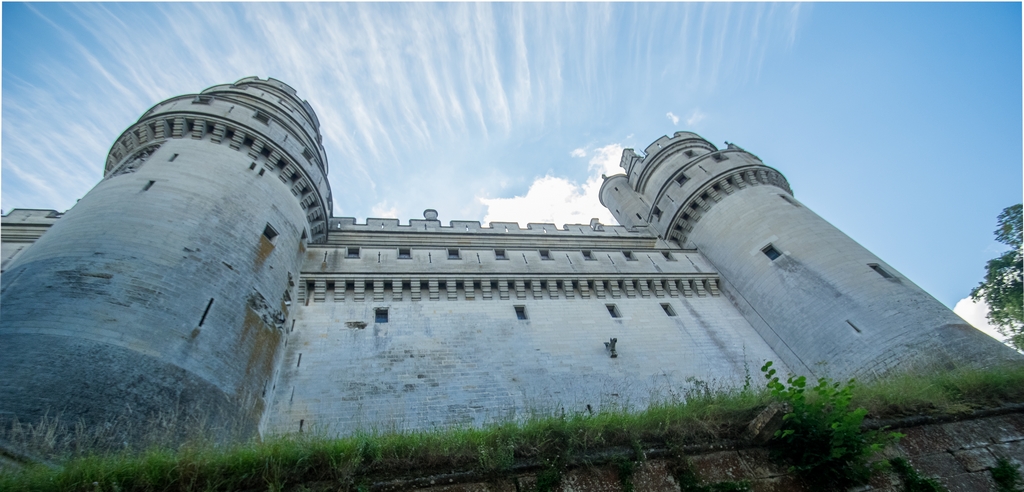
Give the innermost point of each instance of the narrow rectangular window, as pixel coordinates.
(499, 254)
(612, 310)
(853, 326)
(656, 212)
(352, 253)
(668, 256)
(521, 312)
(881, 271)
(404, 254)
(207, 311)
(380, 315)
(175, 156)
(453, 253)
(587, 255)
(545, 254)
(148, 186)
(629, 255)
(668, 309)
(771, 252)
(269, 232)
(681, 179)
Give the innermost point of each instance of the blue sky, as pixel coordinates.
(899, 123)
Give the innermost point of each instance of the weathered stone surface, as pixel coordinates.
(969, 482)
(654, 476)
(719, 467)
(976, 459)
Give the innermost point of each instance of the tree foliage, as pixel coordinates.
(1003, 288)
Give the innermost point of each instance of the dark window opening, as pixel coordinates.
(545, 254)
(612, 310)
(499, 254)
(587, 255)
(521, 312)
(629, 255)
(352, 253)
(404, 254)
(453, 253)
(638, 217)
(148, 186)
(656, 213)
(771, 252)
(689, 153)
(668, 309)
(681, 179)
(668, 256)
(881, 271)
(175, 156)
(252, 166)
(380, 315)
(269, 232)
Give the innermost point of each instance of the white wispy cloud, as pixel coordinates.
(696, 116)
(400, 90)
(672, 117)
(578, 153)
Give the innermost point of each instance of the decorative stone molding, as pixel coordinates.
(508, 287)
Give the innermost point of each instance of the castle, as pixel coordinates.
(207, 271)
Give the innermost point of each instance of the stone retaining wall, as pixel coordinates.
(959, 454)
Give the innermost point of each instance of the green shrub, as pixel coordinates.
(821, 438)
(912, 481)
(1007, 476)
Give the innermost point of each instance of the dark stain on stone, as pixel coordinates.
(263, 251)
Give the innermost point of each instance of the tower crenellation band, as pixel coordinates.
(206, 272)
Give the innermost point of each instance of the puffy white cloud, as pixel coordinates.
(578, 153)
(674, 118)
(558, 200)
(974, 313)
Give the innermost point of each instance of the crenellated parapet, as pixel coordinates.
(678, 180)
(263, 119)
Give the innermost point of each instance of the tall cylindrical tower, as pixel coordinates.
(824, 303)
(165, 288)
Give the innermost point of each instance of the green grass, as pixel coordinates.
(314, 462)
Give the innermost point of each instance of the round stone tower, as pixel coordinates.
(166, 287)
(824, 303)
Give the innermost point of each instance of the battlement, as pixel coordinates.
(31, 216)
(346, 224)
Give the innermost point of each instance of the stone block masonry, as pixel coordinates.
(207, 270)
